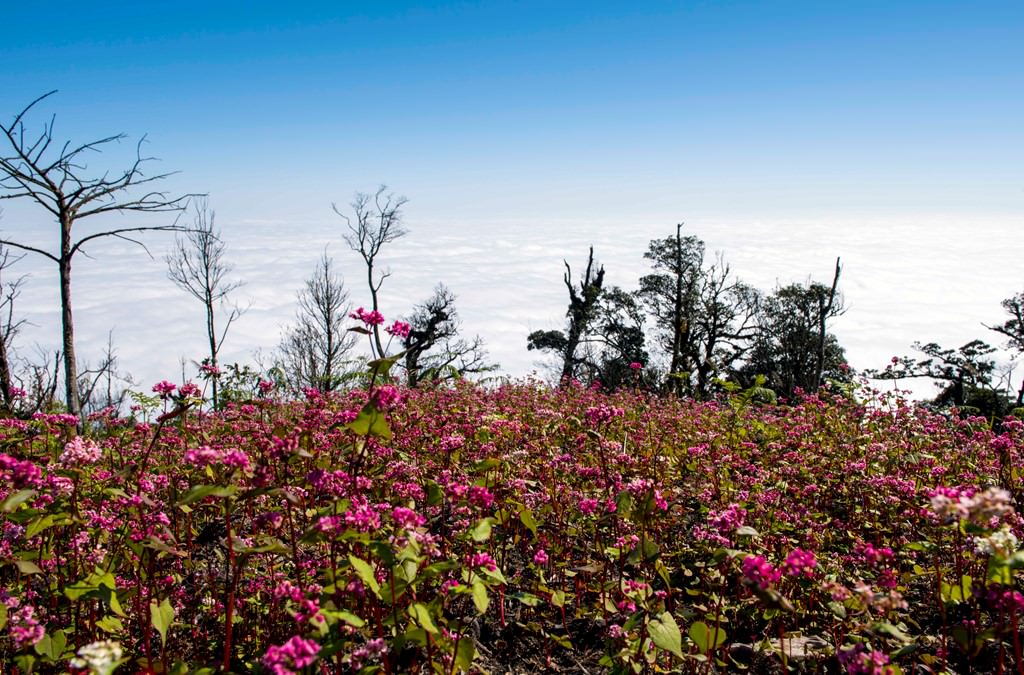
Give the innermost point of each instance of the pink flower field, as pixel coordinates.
(513, 528)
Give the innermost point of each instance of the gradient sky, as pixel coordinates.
(784, 133)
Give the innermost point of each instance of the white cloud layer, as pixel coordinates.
(927, 279)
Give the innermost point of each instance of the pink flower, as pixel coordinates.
(385, 397)
(80, 452)
(759, 572)
(636, 365)
(291, 657)
(407, 518)
(483, 560)
(799, 563)
(371, 318)
(190, 390)
(399, 329)
(540, 557)
(164, 388)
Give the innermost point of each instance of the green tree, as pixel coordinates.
(1013, 330)
(703, 315)
(792, 347)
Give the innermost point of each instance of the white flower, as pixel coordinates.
(1001, 542)
(101, 658)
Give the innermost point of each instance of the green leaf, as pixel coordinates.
(365, 573)
(482, 530)
(110, 624)
(27, 567)
(664, 631)
(421, 614)
(203, 491)
(16, 499)
(162, 616)
(527, 519)
(464, 655)
(371, 422)
(480, 598)
(349, 618)
(706, 638)
(37, 526)
(51, 647)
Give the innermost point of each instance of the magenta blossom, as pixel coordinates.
(759, 572)
(292, 656)
(164, 388)
(371, 318)
(399, 329)
(799, 563)
(385, 397)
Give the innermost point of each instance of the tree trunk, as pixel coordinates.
(71, 395)
(211, 332)
(823, 314)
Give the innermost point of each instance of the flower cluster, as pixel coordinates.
(80, 452)
(371, 318)
(292, 656)
(759, 572)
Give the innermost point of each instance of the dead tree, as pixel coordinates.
(55, 176)
(9, 327)
(377, 221)
(313, 352)
(197, 266)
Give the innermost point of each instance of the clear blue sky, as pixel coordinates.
(559, 108)
(784, 132)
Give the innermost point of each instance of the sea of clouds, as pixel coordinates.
(926, 279)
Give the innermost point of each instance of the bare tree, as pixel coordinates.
(583, 307)
(197, 266)
(9, 327)
(55, 176)
(102, 385)
(434, 351)
(313, 351)
(377, 221)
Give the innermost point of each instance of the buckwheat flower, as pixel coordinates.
(588, 506)
(399, 329)
(203, 456)
(540, 557)
(986, 508)
(759, 572)
(799, 563)
(371, 318)
(101, 658)
(407, 518)
(859, 661)
(292, 656)
(164, 388)
(209, 370)
(80, 452)
(483, 560)
(20, 473)
(24, 628)
(385, 397)
(190, 390)
(1001, 542)
(265, 386)
(480, 496)
(636, 365)
(237, 459)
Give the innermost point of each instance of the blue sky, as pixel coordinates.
(805, 118)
